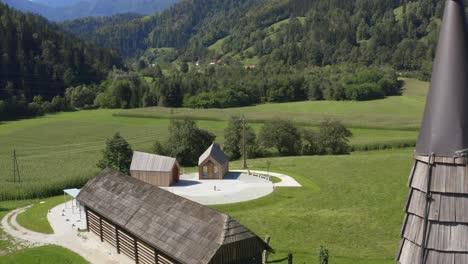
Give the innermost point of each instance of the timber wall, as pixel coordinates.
(124, 242)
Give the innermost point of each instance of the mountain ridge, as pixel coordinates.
(61, 11)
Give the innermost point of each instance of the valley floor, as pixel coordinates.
(352, 205)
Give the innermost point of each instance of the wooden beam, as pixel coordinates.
(117, 239)
(87, 218)
(100, 229)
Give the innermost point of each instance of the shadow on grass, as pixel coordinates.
(278, 260)
(3, 209)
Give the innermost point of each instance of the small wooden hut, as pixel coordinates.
(155, 169)
(213, 164)
(154, 226)
(435, 228)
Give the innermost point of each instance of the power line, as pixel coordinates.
(16, 172)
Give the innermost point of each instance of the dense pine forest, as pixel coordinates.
(401, 33)
(38, 59)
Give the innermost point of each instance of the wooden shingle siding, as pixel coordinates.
(446, 178)
(447, 231)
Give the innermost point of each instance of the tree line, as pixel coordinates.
(187, 142)
(235, 86)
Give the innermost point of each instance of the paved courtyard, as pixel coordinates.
(236, 187)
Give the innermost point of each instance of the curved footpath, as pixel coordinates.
(286, 181)
(65, 235)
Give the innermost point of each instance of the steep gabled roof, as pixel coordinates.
(216, 153)
(150, 162)
(184, 230)
(444, 129)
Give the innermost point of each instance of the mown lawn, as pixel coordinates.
(43, 255)
(353, 205)
(35, 218)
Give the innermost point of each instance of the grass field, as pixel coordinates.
(350, 204)
(43, 255)
(51, 148)
(35, 218)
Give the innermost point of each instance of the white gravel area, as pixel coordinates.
(65, 224)
(238, 186)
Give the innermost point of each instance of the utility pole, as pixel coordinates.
(15, 168)
(243, 143)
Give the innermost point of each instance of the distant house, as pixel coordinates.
(154, 169)
(154, 226)
(213, 163)
(215, 62)
(250, 67)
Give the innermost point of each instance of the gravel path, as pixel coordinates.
(66, 235)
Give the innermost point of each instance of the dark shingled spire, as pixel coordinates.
(444, 130)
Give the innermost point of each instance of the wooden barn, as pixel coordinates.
(435, 228)
(154, 226)
(213, 164)
(154, 169)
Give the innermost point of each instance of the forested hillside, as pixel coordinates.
(401, 33)
(37, 58)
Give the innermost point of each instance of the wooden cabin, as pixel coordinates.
(155, 169)
(213, 164)
(154, 226)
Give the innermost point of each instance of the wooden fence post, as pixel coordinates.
(265, 252)
(290, 258)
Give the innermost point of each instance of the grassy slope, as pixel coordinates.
(35, 218)
(397, 112)
(351, 204)
(51, 148)
(272, 32)
(44, 255)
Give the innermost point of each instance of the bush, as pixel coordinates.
(80, 96)
(333, 138)
(363, 92)
(282, 135)
(323, 255)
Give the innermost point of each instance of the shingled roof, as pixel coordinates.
(184, 230)
(216, 153)
(435, 228)
(150, 162)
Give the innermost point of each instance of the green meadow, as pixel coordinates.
(350, 204)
